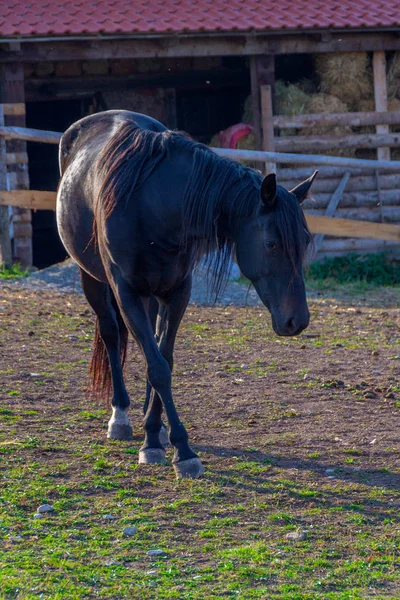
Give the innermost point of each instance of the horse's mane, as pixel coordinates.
(132, 154)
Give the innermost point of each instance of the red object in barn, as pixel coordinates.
(230, 137)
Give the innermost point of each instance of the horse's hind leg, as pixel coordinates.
(186, 463)
(111, 335)
(156, 310)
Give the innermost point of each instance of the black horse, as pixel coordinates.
(138, 205)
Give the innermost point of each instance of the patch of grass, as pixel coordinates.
(13, 272)
(375, 269)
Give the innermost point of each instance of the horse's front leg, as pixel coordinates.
(132, 306)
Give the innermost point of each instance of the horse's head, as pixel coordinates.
(270, 248)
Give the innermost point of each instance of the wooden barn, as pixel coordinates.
(204, 66)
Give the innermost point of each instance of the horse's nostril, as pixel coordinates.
(291, 325)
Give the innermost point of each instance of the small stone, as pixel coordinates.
(156, 553)
(31, 333)
(38, 516)
(375, 353)
(296, 536)
(34, 374)
(110, 561)
(221, 374)
(329, 471)
(308, 377)
(72, 338)
(109, 517)
(151, 572)
(369, 395)
(390, 396)
(303, 347)
(129, 531)
(45, 508)
(15, 538)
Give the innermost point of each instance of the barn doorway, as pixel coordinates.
(54, 115)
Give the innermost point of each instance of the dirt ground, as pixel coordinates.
(306, 427)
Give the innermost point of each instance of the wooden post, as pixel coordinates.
(330, 209)
(262, 72)
(5, 241)
(12, 91)
(267, 125)
(380, 92)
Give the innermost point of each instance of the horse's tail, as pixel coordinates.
(100, 370)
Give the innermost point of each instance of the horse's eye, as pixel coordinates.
(271, 245)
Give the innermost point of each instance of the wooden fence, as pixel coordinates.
(352, 192)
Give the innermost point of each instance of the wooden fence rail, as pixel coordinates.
(39, 200)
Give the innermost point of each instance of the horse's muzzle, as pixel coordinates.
(292, 325)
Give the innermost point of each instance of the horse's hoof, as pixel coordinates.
(189, 468)
(163, 436)
(119, 426)
(151, 456)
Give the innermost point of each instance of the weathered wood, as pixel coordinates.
(349, 228)
(307, 159)
(380, 94)
(356, 184)
(351, 119)
(333, 204)
(362, 213)
(16, 158)
(321, 143)
(48, 88)
(255, 101)
(339, 227)
(203, 45)
(13, 109)
(336, 246)
(267, 125)
(5, 240)
(324, 173)
(30, 135)
(355, 199)
(33, 199)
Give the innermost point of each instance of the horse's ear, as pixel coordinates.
(301, 190)
(268, 190)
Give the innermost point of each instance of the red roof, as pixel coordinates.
(113, 17)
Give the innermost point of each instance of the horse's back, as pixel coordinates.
(80, 147)
(93, 131)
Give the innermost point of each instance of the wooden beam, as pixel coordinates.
(332, 206)
(16, 158)
(380, 93)
(13, 109)
(32, 199)
(307, 159)
(202, 45)
(321, 143)
(262, 72)
(354, 229)
(45, 88)
(356, 119)
(12, 91)
(5, 240)
(267, 125)
(30, 135)
(38, 200)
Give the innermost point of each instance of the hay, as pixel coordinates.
(393, 77)
(326, 103)
(348, 76)
(290, 99)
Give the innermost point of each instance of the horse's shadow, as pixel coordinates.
(373, 507)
